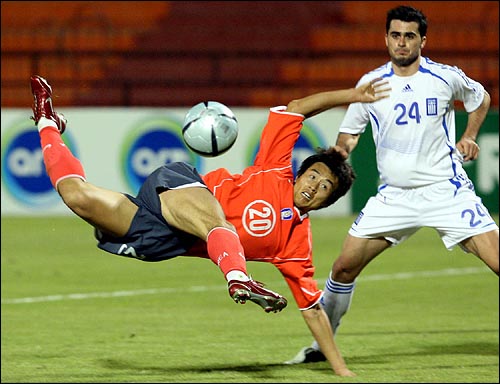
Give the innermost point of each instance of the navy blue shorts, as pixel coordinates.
(150, 238)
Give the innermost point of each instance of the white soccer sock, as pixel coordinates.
(336, 300)
(237, 275)
(44, 122)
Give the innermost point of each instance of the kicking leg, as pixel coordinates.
(108, 211)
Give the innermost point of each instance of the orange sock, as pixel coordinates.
(59, 161)
(225, 249)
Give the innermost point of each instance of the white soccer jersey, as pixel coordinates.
(414, 129)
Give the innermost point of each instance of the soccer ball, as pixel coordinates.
(210, 128)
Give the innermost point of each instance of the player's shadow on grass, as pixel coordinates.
(259, 370)
(472, 348)
(419, 332)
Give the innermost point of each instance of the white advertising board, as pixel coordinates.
(118, 147)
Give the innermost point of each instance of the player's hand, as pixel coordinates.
(342, 151)
(468, 148)
(374, 90)
(345, 372)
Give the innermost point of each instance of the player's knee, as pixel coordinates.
(342, 273)
(77, 198)
(225, 224)
(203, 227)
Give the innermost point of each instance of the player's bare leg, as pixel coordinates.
(355, 255)
(106, 210)
(196, 211)
(485, 246)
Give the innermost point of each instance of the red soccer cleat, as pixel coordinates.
(241, 291)
(42, 105)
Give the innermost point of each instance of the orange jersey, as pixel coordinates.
(259, 203)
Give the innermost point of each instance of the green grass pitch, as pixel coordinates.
(72, 313)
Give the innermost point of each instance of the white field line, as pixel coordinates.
(155, 291)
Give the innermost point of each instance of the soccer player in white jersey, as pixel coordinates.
(423, 182)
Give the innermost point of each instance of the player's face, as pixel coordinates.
(404, 42)
(313, 187)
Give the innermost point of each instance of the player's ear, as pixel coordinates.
(422, 44)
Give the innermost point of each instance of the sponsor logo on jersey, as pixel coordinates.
(286, 214)
(432, 106)
(407, 88)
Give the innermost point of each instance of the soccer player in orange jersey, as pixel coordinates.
(259, 215)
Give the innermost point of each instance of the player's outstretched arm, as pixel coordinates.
(319, 325)
(319, 102)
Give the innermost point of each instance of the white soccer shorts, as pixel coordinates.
(397, 213)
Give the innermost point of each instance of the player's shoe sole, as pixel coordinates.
(242, 291)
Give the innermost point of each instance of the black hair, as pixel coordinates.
(408, 14)
(337, 165)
